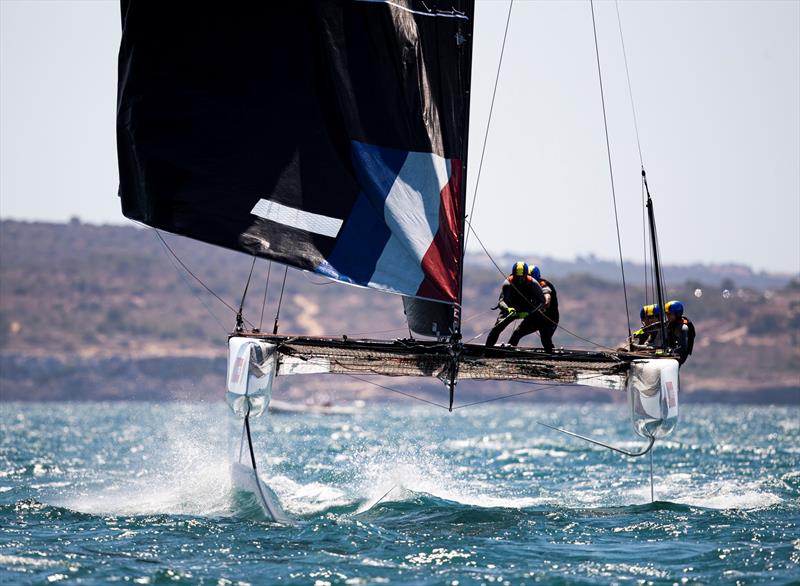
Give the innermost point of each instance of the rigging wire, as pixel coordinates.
(638, 147)
(399, 392)
(539, 387)
(558, 325)
(280, 301)
(610, 168)
(489, 121)
(188, 285)
(502, 397)
(264, 302)
(630, 87)
(244, 294)
(469, 319)
(195, 277)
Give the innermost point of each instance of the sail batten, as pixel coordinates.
(329, 136)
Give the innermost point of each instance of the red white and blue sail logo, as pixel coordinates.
(402, 234)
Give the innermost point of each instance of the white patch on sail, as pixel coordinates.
(295, 218)
(412, 213)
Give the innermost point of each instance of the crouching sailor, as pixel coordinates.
(648, 337)
(521, 297)
(680, 331)
(550, 311)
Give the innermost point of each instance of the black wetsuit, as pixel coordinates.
(550, 324)
(678, 338)
(648, 337)
(525, 295)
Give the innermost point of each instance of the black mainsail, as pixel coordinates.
(328, 136)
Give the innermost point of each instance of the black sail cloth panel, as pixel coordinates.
(330, 136)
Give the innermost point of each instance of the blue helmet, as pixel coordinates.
(674, 307)
(520, 269)
(535, 272)
(650, 311)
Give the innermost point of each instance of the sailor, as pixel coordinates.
(521, 297)
(680, 331)
(648, 337)
(550, 312)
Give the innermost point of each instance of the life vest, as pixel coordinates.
(521, 295)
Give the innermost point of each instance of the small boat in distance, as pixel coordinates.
(317, 407)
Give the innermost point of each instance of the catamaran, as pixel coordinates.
(332, 137)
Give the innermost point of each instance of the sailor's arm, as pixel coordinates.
(548, 294)
(538, 301)
(505, 293)
(683, 343)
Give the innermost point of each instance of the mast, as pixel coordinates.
(466, 54)
(456, 347)
(654, 243)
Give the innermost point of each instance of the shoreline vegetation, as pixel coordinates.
(92, 312)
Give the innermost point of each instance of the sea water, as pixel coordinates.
(95, 493)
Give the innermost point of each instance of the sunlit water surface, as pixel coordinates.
(128, 492)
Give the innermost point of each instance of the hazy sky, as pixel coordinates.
(716, 87)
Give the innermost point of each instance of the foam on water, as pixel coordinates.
(307, 499)
(396, 496)
(188, 474)
(718, 494)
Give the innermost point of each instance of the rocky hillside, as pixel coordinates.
(104, 312)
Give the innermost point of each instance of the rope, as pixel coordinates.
(195, 277)
(246, 287)
(264, 302)
(280, 301)
(638, 147)
(540, 387)
(630, 87)
(489, 121)
(469, 319)
(399, 392)
(188, 285)
(558, 325)
(610, 169)
(500, 398)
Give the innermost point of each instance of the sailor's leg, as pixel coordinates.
(529, 325)
(499, 326)
(546, 332)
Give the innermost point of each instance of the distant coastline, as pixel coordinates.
(99, 313)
